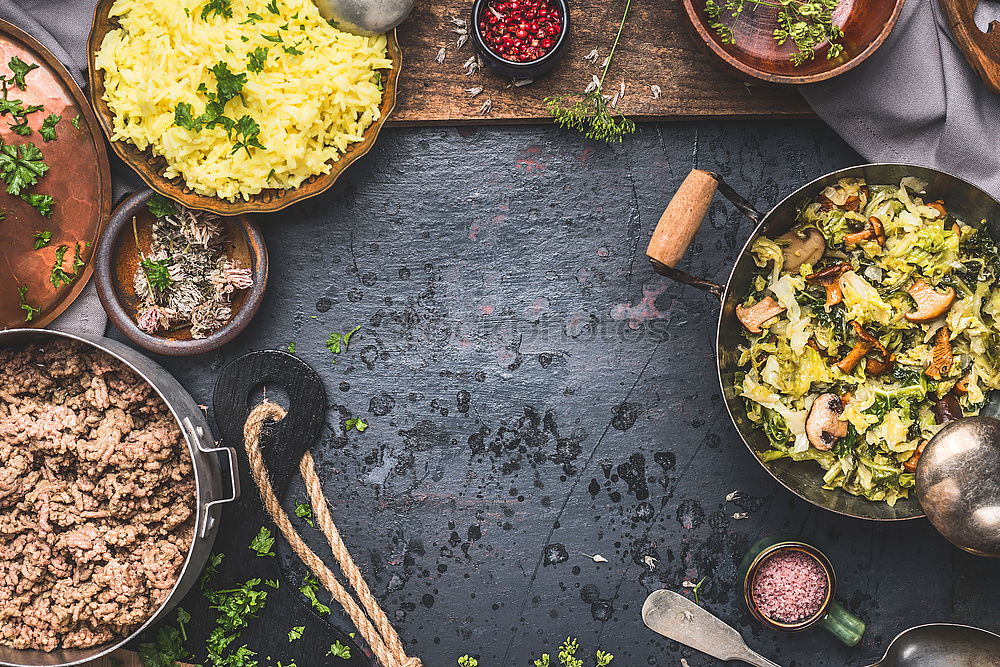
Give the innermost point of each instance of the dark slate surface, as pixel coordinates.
(536, 393)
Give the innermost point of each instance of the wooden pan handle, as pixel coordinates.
(682, 218)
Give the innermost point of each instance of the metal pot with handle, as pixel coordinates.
(213, 488)
(675, 232)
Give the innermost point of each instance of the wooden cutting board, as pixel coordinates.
(656, 49)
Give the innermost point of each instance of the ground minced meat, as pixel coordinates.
(96, 498)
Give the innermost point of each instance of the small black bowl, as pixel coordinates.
(516, 70)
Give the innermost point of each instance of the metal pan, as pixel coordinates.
(212, 488)
(676, 230)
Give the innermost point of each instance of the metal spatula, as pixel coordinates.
(675, 617)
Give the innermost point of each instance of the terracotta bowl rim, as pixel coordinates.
(119, 316)
(732, 61)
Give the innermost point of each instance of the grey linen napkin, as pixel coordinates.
(62, 26)
(917, 100)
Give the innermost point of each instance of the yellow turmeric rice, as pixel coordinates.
(310, 88)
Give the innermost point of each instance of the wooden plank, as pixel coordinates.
(656, 49)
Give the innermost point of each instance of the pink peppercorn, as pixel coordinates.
(790, 586)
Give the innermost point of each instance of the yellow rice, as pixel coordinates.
(310, 107)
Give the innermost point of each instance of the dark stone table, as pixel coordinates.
(536, 394)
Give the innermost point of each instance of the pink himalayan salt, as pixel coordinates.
(789, 586)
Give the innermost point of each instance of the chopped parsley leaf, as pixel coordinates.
(296, 632)
(20, 70)
(247, 130)
(160, 206)
(21, 165)
(292, 50)
(58, 275)
(339, 650)
(272, 38)
(309, 587)
(41, 202)
(304, 511)
(48, 128)
(258, 58)
(252, 18)
(272, 7)
(356, 423)
(29, 310)
(290, 347)
(75, 121)
(223, 8)
(42, 239)
(339, 342)
(263, 543)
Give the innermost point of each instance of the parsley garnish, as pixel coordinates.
(42, 239)
(223, 8)
(75, 121)
(296, 632)
(160, 206)
(246, 130)
(20, 70)
(258, 58)
(58, 275)
(157, 273)
(252, 18)
(48, 128)
(29, 310)
(272, 7)
(21, 165)
(236, 606)
(309, 588)
(228, 85)
(339, 650)
(183, 117)
(20, 114)
(41, 202)
(290, 347)
(168, 649)
(272, 38)
(338, 341)
(263, 543)
(273, 583)
(356, 423)
(304, 511)
(78, 262)
(378, 81)
(292, 50)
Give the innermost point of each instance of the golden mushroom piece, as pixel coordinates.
(931, 304)
(806, 246)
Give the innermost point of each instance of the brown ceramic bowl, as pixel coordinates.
(117, 260)
(755, 54)
(151, 167)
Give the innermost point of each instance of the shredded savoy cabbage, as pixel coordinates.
(852, 331)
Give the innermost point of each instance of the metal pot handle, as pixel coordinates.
(229, 455)
(681, 221)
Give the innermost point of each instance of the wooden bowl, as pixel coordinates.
(755, 54)
(150, 167)
(117, 259)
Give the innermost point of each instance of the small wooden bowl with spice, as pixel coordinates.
(178, 281)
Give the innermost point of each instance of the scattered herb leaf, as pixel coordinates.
(58, 275)
(223, 8)
(304, 511)
(48, 128)
(168, 648)
(20, 70)
(356, 423)
(29, 310)
(41, 202)
(157, 273)
(21, 165)
(258, 58)
(160, 206)
(247, 130)
(42, 239)
(339, 650)
(75, 121)
(296, 632)
(308, 589)
(338, 342)
(272, 7)
(263, 543)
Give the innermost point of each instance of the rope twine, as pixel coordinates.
(368, 616)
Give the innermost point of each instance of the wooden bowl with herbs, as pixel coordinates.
(775, 41)
(179, 281)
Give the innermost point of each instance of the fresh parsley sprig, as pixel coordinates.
(29, 310)
(590, 115)
(808, 23)
(263, 543)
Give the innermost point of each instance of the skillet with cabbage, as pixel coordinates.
(871, 324)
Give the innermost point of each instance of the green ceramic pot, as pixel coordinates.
(830, 615)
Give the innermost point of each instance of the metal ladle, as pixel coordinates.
(958, 484)
(365, 17)
(937, 645)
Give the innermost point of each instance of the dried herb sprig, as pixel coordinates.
(590, 115)
(808, 23)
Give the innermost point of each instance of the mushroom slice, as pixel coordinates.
(824, 427)
(876, 367)
(754, 316)
(868, 337)
(939, 207)
(931, 304)
(947, 409)
(857, 353)
(872, 230)
(910, 465)
(962, 386)
(941, 357)
(806, 246)
(829, 278)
